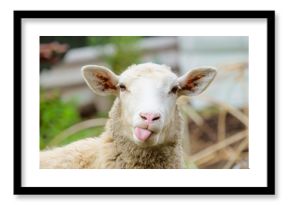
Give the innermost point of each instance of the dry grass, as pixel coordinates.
(213, 146)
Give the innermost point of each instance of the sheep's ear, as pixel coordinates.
(196, 80)
(100, 79)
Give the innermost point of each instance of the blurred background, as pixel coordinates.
(216, 132)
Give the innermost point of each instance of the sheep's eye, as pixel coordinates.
(174, 90)
(122, 87)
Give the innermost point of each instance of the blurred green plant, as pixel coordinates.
(126, 52)
(55, 116)
(90, 132)
(97, 40)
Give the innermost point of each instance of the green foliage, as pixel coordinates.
(102, 114)
(97, 40)
(126, 52)
(55, 116)
(91, 132)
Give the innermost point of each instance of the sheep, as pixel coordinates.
(144, 129)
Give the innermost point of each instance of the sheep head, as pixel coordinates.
(148, 94)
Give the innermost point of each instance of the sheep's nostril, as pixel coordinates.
(155, 118)
(143, 117)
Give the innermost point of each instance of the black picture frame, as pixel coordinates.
(268, 190)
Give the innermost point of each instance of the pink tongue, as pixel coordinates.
(142, 134)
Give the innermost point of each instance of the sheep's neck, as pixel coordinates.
(130, 155)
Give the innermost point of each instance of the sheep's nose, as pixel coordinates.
(149, 117)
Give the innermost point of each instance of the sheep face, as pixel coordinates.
(148, 94)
